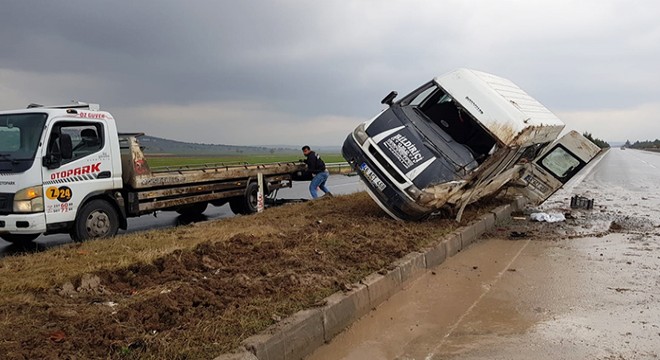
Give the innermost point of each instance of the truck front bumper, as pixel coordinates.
(391, 199)
(23, 223)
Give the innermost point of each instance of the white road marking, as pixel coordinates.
(469, 310)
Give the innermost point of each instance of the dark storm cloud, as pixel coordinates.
(178, 52)
(301, 61)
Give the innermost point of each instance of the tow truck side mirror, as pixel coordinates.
(61, 149)
(389, 98)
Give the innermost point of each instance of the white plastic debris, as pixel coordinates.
(547, 217)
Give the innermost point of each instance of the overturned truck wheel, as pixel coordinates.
(247, 204)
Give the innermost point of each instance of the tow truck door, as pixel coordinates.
(556, 165)
(89, 171)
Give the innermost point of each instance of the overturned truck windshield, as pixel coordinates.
(439, 108)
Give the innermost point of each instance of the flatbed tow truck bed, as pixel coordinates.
(165, 188)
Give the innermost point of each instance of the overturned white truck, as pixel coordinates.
(462, 136)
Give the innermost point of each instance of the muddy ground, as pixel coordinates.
(199, 299)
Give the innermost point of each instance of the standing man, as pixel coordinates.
(316, 167)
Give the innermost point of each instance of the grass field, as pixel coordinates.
(160, 160)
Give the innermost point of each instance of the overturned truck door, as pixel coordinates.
(556, 165)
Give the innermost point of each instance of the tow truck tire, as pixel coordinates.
(19, 238)
(246, 205)
(192, 209)
(97, 219)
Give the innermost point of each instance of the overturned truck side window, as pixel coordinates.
(561, 163)
(451, 118)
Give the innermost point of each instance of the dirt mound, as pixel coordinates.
(631, 223)
(203, 300)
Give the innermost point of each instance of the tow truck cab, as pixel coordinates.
(52, 160)
(462, 136)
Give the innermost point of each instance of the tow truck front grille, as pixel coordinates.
(6, 201)
(385, 165)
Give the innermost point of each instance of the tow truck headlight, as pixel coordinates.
(29, 200)
(360, 134)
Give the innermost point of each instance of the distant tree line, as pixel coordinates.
(647, 144)
(599, 142)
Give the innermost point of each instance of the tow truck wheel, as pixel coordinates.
(192, 209)
(247, 204)
(97, 219)
(19, 238)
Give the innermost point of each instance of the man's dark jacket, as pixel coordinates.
(314, 163)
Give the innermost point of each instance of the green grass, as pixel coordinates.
(155, 161)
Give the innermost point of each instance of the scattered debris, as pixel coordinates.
(619, 290)
(518, 234)
(614, 226)
(346, 287)
(581, 202)
(57, 337)
(67, 290)
(547, 217)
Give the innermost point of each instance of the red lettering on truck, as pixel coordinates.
(87, 169)
(89, 115)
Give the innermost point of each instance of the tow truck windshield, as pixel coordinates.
(19, 140)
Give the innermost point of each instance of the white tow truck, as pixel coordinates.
(66, 169)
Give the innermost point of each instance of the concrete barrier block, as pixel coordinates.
(266, 346)
(293, 338)
(303, 333)
(435, 255)
(453, 241)
(411, 266)
(486, 223)
(466, 235)
(502, 213)
(381, 287)
(342, 309)
(245, 355)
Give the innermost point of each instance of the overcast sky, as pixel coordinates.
(297, 72)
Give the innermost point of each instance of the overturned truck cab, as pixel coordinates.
(458, 138)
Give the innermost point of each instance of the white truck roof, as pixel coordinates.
(84, 112)
(503, 108)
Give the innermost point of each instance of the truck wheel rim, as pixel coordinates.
(97, 224)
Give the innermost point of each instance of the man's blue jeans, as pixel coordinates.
(319, 182)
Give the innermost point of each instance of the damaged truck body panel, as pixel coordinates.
(460, 137)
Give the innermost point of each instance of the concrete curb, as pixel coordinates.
(300, 334)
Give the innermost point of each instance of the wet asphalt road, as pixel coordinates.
(338, 184)
(593, 295)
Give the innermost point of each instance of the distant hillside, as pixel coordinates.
(156, 145)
